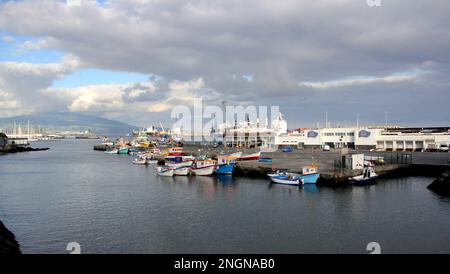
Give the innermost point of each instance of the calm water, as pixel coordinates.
(108, 205)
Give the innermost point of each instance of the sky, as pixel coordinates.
(135, 60)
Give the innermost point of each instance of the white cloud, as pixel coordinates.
(359, 81)
(21, 83)
(8, 39)
(282, 44)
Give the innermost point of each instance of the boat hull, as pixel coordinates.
(140, 162)
(225, 169)
(364, 182)
(181, 171)
(123, 151)
(309, 178)
(179, 165)
(204, 171)
(285, 181)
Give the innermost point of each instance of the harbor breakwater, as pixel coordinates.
(328, 162)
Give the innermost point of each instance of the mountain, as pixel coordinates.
(73, 121)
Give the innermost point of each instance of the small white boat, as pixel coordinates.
(181, 164)
(286, 180)
(181, 171)
(204, 170)
(152, 161)
(279, 172)
(368, 177)
(164, 171)
(140, 161)
(113, 151)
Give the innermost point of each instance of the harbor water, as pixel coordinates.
(71, 193)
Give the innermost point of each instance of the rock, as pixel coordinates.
(442, 184)
(8, 242)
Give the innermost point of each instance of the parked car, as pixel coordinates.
(443, 148)
(326, 148)
(288, 149)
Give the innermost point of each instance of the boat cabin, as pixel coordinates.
(309, 170)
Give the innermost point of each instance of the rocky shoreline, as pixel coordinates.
(8, 242)
(442, 184)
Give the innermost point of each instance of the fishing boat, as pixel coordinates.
(140, 161)
(287, 180)
(164, 171)
(249, 157)
(176, 151)
(225, 165)
(112, 151)
(204, 167)
(180, 164)
(181, 171)
(279, 172)
(367, 178)
(123, 150)
(309, 175)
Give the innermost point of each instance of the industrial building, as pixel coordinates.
(389, 139)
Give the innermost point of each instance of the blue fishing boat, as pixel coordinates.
(225, 165)
(309, 175)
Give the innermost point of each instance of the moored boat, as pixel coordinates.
(123, 150)
(164, 171)
(225, 165)
(286, 180)
(181, 171)
(140, 161)
(203, 171)
(204, 167)
(112, 151)
(180, 164)
(309, 175)
(367, 178)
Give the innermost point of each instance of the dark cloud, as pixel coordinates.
(282, 44)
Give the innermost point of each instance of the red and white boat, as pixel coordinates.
(249, 157)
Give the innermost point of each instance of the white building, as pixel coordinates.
(399, 139)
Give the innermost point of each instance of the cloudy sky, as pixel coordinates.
(134, 60)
